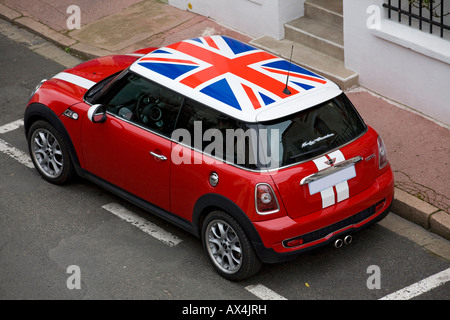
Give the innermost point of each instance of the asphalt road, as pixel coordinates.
(61, 243)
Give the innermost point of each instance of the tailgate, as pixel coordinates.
(330, 179)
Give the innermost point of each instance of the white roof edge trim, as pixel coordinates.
(301, 103)
(279, 108)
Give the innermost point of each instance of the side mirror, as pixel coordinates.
(97, 113)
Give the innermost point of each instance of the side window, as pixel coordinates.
(198, 119)
(144, 102)
(216, 134)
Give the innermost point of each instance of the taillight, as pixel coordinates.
(265, 199)
(382, 153)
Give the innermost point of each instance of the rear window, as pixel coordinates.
(310, 133)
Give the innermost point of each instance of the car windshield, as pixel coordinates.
(99, 87)
(307, 134)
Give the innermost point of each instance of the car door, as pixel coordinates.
(131, 149)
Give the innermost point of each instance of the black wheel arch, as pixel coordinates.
(211, 202)
(39, 111)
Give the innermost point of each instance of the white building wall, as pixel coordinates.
(253, 17)
(407, 65)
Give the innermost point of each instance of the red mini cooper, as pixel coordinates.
(260, 158)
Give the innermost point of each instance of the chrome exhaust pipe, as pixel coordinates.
(348, 239)
(338, 243)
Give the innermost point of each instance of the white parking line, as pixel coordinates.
(11, 151)
(15, 153)
(420, 287)
(11, 126)
(264, 293)
(146, 226)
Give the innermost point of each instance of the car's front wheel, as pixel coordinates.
(228, 247)
(49, 153)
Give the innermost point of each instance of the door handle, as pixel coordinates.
(158, 156)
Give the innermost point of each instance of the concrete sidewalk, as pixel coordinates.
(110, 26)
(418, 148)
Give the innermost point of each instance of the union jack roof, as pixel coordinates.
(235, 78)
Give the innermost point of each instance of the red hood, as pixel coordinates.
(69, 86)
(100, 68)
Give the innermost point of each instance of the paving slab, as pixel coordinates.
(440, 224)
(412, 208)
(418, 148)
(198, 26)
(53, 13)
(8, 13)
(46, 32)
(131, 25)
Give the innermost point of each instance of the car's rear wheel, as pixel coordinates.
(228, 248)
(49, 153)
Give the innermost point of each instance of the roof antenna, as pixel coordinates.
(286, 90)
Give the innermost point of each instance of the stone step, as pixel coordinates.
(316, 34)
(316, 61)
(327, 11)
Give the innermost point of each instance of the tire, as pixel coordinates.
(228, 248)
(49, 153)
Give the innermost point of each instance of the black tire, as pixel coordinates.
(49, 153)
(228, 247)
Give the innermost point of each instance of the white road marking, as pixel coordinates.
(11, 126)
(15, 153)
(11, 151)
(264, 293)
(146, 226)
(420, 287)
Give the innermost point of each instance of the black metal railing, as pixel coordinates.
(425, 11)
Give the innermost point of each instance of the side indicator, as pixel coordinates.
(71, 114)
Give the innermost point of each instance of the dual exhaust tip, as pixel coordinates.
(340, 242)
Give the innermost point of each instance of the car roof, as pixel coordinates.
(235, 78)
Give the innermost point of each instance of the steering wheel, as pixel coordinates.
(143, 100)
(147, 109)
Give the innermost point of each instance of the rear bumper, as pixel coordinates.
(322, 228)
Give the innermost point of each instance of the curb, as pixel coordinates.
(404, 204)
(80, 50)
(421, 213)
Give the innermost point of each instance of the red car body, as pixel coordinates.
(115, 154)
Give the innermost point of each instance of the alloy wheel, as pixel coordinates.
(47, 153)
(224, 246)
